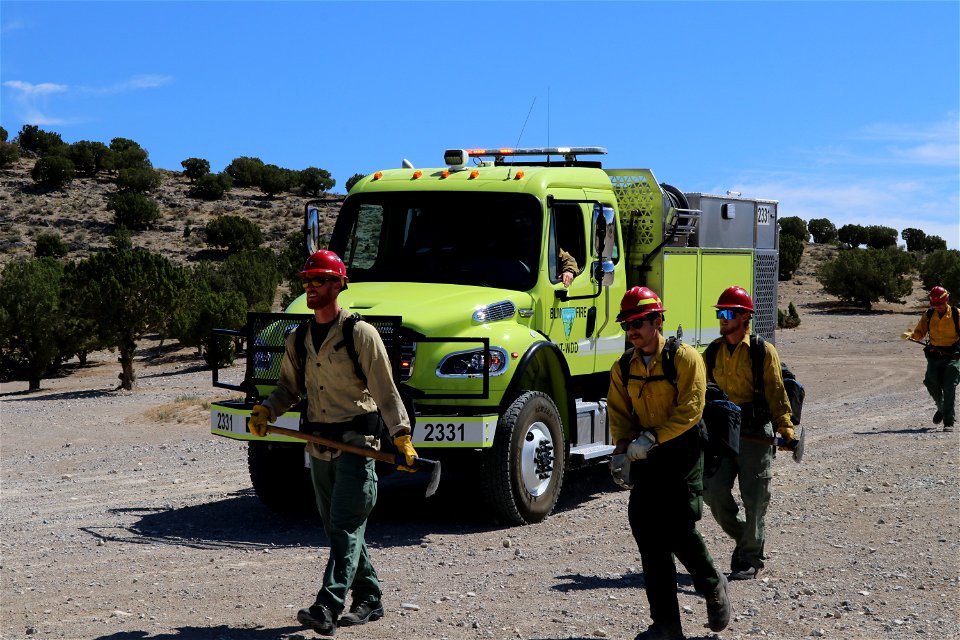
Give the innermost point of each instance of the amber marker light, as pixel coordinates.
(474, 174)
(518, 175)
(417, 174)
(514, 355)
(378, 175)
(444, 174)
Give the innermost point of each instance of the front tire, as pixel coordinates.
(523, 471)
(280, 478)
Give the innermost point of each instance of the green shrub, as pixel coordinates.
(50, 244)
(354, 179)
(138, 179)
(822, 230)
(211, 186)
(942, 268)
(934, 243)
(126, 294)
(234, 233)
(90, 158)
(133, 210)
(121, 239)
(880, 237)
(864, 276)
(791, 250)
(3, 134)
(30, 319)
(313, 180)
(853, 235)
(34, 139)
(794, 226)
(255, 275)
(53, 172)
(788, 319)
(127, 154)
(914, 238)
(9, 153)
(245, 171)
(273, 180)
(194, 168)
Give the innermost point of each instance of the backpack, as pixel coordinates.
(350, 344)
(720, 425)
(794, 388)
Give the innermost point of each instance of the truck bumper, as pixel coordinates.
(229, 419)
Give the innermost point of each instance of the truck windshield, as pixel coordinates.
(481, 239)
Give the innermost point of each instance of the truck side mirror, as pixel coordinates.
(603, 271)
(312, 223)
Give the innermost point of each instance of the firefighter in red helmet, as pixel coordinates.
(942, 322)
(655, 423)
(341, 407)
(732, 369)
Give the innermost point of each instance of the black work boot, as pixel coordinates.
(320, 618)
(718, 607)
(948, 426)
(660, 631)
(937, 417)
(362, 613)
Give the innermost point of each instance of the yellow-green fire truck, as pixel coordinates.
(457, 267)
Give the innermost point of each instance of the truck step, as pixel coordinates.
(593, 450)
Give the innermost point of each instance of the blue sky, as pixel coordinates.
(847, 111)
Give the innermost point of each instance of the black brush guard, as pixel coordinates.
(265, 334)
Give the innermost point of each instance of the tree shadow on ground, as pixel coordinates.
(838, 308)
(402, 517)
(219, 632)
(909, 430)
(64, 395)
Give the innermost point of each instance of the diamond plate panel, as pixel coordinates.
(765, 294)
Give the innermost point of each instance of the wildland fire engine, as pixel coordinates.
(497, 361)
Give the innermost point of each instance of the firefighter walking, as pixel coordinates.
(942, 323)
(341, 407)
(655, 423)
(733, 371)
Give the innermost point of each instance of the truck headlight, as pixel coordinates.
(470, 364)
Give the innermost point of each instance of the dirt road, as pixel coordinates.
(124, 519)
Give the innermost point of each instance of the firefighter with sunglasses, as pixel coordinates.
(733, 373)
(341, 407)
(656, 425)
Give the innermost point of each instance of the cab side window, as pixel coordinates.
(567, 239)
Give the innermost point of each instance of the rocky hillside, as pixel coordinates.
(78, 212)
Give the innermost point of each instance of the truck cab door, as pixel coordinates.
(574, 317)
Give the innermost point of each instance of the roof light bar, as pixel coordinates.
(536, 151)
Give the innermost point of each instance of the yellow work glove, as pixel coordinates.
(405, 447)
(259, 418)
(789, 437)
(906, 335)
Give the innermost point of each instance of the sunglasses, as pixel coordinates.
(316, 282)
(635, 324)
(726, 314)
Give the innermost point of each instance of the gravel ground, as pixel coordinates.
(123, 518)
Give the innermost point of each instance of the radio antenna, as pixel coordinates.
(529, 111)
(548, 122)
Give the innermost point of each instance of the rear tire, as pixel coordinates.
(523, 471)
(280, 478)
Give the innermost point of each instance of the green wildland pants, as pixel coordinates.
(752, 468)
(943, 373)
(346, 492)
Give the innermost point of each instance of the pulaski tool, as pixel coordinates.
(421, 464)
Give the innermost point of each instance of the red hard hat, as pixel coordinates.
(324, 263)
(939, 295)
(735, 298)
(638, 302)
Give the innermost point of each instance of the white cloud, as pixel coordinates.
(27, 90)
(135, 83)
(34, 98)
